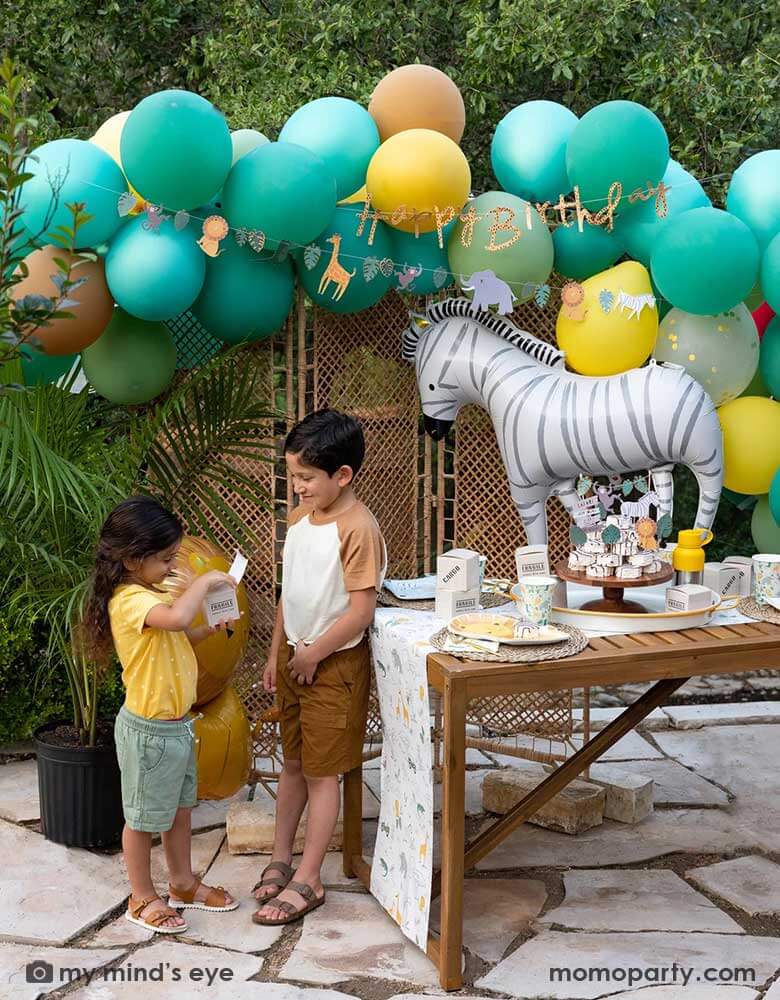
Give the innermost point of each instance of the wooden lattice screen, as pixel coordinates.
(425, 496)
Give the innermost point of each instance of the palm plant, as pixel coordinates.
(66, 458)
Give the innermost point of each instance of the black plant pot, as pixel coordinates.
(80, 791)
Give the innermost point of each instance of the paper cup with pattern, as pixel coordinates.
(534, 598)
(766, 577)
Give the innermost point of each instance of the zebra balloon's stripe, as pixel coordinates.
(552, 424)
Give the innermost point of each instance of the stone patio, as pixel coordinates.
(693, 886)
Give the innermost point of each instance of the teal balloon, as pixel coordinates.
(341, 132)
(705, 261)
(283, 190)
(245, 296)
(582, 254)
(523, 265)
(774, 497)
(155, 275)
(132, 361)
(41, 369)
(770, 273)
(639, 227)
(88, 175)
(423, 252)
(616, 141)
(754, 195)
(769, 361)
(528, 151)
(176, 149)
(244, 140)
(367, 283)
(764, 528)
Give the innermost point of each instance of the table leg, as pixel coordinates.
(352, 820)
(453, 836)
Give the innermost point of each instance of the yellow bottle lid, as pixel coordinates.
(688, 556)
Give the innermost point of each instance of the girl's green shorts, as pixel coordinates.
(159, 773)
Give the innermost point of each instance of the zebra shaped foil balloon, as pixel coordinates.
(552, 424)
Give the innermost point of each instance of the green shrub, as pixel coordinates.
(31, 691)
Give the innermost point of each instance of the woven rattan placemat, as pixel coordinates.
(761, 612)
(388, 600)
(576, 642)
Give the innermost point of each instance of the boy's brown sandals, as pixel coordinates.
(153, 920)
(275, 882)
(290, 910)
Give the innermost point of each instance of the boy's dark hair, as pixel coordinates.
(327, 439)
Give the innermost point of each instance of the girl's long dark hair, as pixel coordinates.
(136, 528)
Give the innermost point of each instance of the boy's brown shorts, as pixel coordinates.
(324, 724)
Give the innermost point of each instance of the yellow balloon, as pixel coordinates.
(418, 170)
(606, 324)
(108, 137)
(751, 443)
(356, 198)
(223, 748)
(218, 656)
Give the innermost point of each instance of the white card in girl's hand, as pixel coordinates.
(237, 570)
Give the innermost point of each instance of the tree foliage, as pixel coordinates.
(708, 68)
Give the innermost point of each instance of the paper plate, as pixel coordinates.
(473, 627)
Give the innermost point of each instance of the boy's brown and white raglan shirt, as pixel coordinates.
(325, 558)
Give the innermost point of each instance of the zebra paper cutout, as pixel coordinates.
(552, 424)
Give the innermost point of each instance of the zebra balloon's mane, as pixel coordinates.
(544, 353)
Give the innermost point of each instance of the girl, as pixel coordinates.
(155, 746)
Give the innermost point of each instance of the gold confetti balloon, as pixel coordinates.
(218, 656)
(721, 352)
(223, 747)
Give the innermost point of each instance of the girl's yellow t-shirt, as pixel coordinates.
(159, 669)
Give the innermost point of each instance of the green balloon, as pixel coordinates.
(755, 297)
(176, 149)
(764, 528)
(283, 190)
(367, 283)
(705, 261)
(774, 497)
(770, 273)
(754, 194)
(245, 296)
(132, 361)
(523, 265)
(720, 352)
(41, 369)
(769, 364)
(244, 140)
(580, 255)
(423, 252)
(639, 226)
(757, 386)
(616, 141)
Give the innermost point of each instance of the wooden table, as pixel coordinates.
(668, 658)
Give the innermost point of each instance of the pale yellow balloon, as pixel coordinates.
(418, 170)
(751, 443)
(611, 324)
(358, 197)
(109, 137)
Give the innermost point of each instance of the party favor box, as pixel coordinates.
(457, 569)
(221, 604)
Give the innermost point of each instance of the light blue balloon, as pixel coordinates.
(754, 195)
(580, 255)
(155, 275)
(638, 227)
(88, 175)
(423, 252)
(341, 132)
(528, 152)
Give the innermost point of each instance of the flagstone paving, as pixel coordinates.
(693, 886)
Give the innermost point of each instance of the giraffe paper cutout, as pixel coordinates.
(334, 272)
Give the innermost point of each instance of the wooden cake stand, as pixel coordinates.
(613, 587)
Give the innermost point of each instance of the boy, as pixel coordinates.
(333, 566)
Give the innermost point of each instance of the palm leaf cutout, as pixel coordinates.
(606, 299)
(664, 526)
(126, 203)
(610, 535)
(241, 236)
(311, 256)
(180, 220)
(584, 483)
(370, 268)
(640, 484)
(628, 485)
(440, 277)
(542, 296)
(577, 535)
(386, 266)
(257, 240)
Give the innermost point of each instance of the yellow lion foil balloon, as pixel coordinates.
(218, 656)
(223, 747)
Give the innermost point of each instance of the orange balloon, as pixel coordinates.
(218, 656)
(417, 96)
(223, 748)
(91, 314)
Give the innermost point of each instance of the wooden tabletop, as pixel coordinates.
(620, 659)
